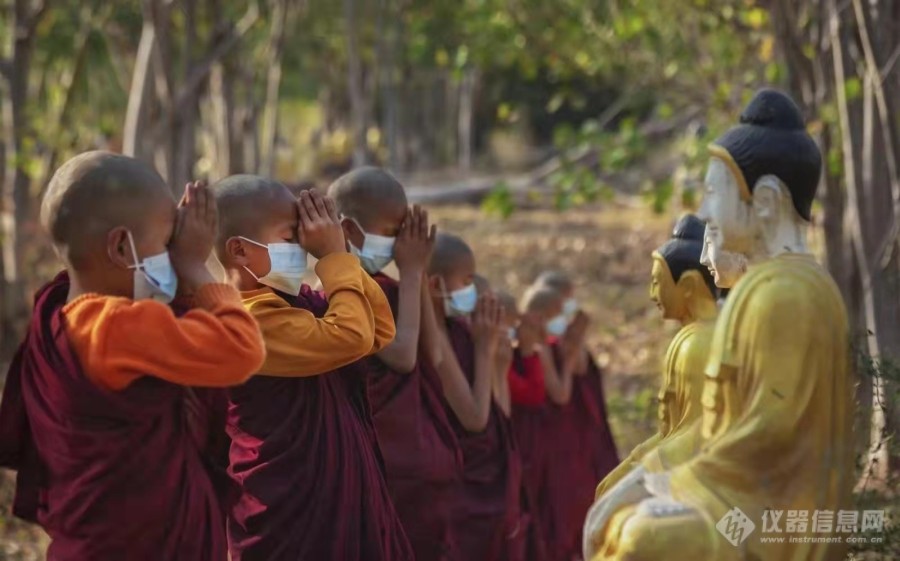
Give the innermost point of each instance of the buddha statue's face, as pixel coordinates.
(730, 224)
(726, 267)
(664, 292)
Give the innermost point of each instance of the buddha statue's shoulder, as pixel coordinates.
(790, 282)
(693, 338)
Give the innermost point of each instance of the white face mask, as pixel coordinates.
(570, 308)
(557, 326)
(377, 251)
(154, 277)
(460, 302)
(288, 264)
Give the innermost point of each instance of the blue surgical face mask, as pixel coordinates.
(288, 264)
(376, 252)
(154, 277)
(460, 302)
(511, 333)
(557, 326)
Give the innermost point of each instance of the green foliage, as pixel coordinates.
(499, 202)
(633, 417)
(658, 196)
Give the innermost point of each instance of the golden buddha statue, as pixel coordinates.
(778, 398)
(683, 290)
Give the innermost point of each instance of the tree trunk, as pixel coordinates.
(70, 79)
(387, 70)
(868, 177)
(355, 86)
(466, 118)
(136, 114)
(17, 209)
(269, 137)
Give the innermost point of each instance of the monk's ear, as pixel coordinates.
(434, 285)
(236, 251)
(118, 248)
(352, 233)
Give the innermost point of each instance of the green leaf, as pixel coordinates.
(852, 88)
(756, 17)
(499, 201)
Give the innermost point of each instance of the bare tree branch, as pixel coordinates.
(201, 71)
(187, 92)
(887, 129)
(37, 13)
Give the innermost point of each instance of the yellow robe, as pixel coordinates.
(679, 405)
(777, 427)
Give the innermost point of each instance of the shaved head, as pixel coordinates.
(556, 280)
(246, 203)
(450, 254)
(93, 193)
(368, 193)
(539, 299)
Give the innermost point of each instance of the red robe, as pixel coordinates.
(422, 457)
(529, 422)
(582, 452)
(303, 451)
(108, 475)
(489, 521)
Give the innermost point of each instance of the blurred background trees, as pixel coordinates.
(566, 102)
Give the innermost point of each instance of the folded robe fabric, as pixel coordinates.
(109, 475)
(304, 454)
(488, 519)
(423, 461)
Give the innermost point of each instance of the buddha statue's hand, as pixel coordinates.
(631, 490)
(657, 484)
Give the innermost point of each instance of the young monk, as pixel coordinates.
(487, 514)
(522, 361)
(303, 447)
(423, 462)
(585, 417)
(550, 432)
(95, 416)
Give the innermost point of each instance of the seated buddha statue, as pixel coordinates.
(778, 397)
(683, 290)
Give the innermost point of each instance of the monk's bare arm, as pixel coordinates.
(432, 344)
(470, 403)
(401, 354)
(558, 383)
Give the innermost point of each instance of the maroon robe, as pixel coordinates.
(304, 454)
(109, 475)
(582, 452)
(422, 457)
(529, 423)
(489, 522)
(590, 407)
